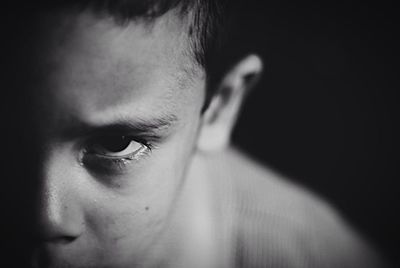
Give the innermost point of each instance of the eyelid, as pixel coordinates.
(151, 129)
(98, 141)
(127, 157)
(102, 150)
(147, 139)
(106, 164)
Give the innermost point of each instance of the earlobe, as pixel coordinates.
(220, 117)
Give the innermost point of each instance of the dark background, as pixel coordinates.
(324, 113)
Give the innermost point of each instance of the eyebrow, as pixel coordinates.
(151, 128)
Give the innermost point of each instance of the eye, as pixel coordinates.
(112, 156)
(116, 147)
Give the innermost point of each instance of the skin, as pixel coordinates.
(146, 203)
(77, 194)
(91, 212)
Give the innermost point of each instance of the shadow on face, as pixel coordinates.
(65, 77)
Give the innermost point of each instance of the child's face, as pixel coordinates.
(101, 95)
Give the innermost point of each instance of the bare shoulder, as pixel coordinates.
(281, 224)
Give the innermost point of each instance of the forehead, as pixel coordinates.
(85, 63)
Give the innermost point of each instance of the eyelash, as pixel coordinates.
(115, 164)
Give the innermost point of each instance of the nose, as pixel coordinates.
(58, 210)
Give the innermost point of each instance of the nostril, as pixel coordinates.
(61, 239)
(58, 229)
(43, 250)
(59, 234)
(45, 237)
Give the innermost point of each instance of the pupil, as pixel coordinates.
(115, 144)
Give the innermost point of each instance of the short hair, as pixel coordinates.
(206, 21)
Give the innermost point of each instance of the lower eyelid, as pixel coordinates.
(107, 164)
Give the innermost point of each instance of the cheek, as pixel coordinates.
(121, 223)
(129, 223)
(125, 229)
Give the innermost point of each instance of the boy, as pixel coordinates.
(125, 148)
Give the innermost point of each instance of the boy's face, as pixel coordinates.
(115, 113)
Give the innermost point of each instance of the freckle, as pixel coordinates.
(147, 208)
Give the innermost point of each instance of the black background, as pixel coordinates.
(324, 113)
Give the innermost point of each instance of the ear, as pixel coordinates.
(220, 117)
